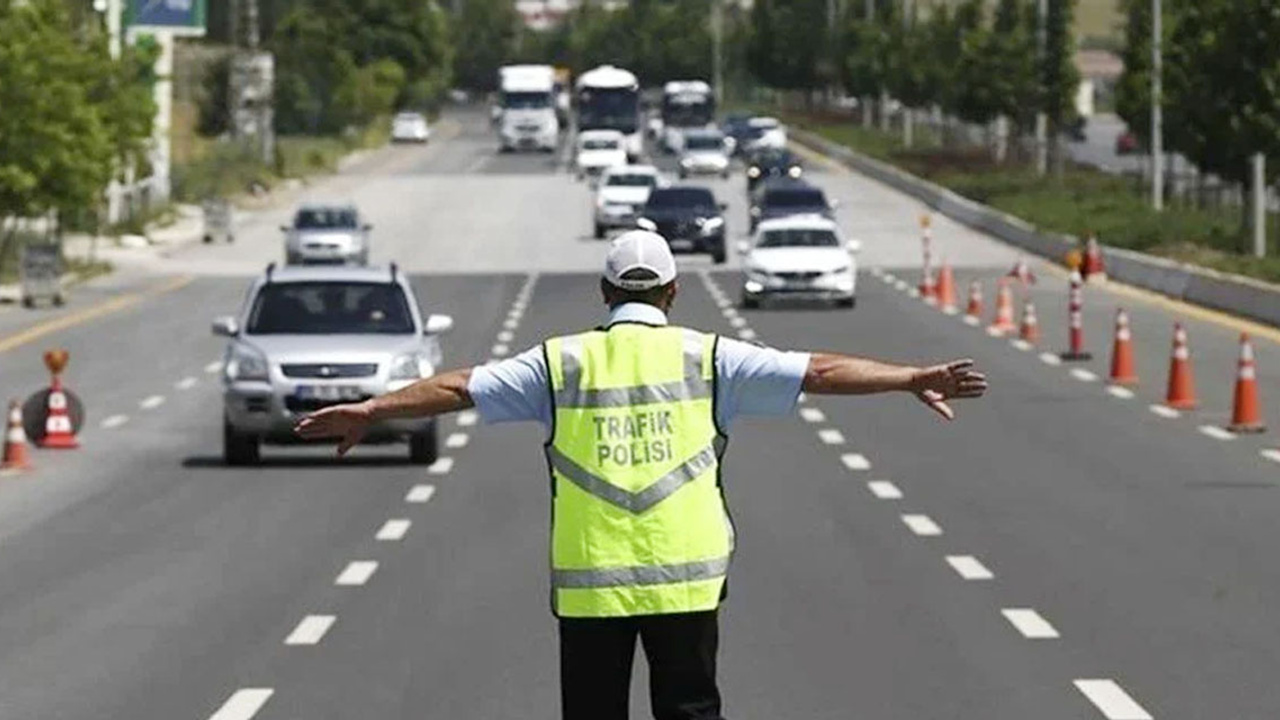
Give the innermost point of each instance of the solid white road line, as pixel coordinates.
(1083, 375)
(419, 494)
(506, 336)
(1021, 344)
(357, 573)
(441, 466)
(1030, 623)
(213, 367)
(243, 704)
(457, 440)
(1271, 454)
(1217, 433)
(747, 333)
(1165, 411)
(114, 421)
(185, 383)
(499, 350)
(969, 568)
(922, 525)
(831, 436)
(884, 490)
(856, 461)
(1117, 391)
(813, 415)
(1111, 700)
(152, 402)
(311, 630)
(393, 530)
(1050, 359)
(467, 418)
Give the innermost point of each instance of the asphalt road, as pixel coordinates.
(890, 565)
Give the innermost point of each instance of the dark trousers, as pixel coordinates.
(595, 666)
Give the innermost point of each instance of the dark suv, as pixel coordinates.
(780, 198)
(688, 217)
(769, 163)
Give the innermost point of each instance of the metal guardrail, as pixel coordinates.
(1234, 294)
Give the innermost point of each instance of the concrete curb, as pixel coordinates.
(1242, 296)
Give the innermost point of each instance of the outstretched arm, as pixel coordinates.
(833, 374)
(443, 393)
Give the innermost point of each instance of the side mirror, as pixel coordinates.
(744, 247)
(646, 224)
(855, 246)
(438, 325)
(226, 326)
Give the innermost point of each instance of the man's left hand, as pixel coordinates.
(939, 383)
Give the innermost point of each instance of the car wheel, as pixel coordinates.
(724, 175)
(424, 447)
(239, 448)
(599, 231)
(847, 303)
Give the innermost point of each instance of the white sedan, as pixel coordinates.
(410, 127)
(802, 257)
(599, 150)
(620, 195)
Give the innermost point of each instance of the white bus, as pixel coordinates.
(526, 96)
(686, 105)
(608, 98)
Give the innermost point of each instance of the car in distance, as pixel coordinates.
(735, 127)
(780, 198)
(410, 127)
(765, 132)
(326, 234)
(770, 163)
(704, 152)
(599, 150)
(802, 257)
(689, 218)
(620, 195)
(310, 337)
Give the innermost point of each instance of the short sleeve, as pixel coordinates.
(756, 380)
(512, 390)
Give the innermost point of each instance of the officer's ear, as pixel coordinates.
(670, 292)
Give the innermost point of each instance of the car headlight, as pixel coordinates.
(410, 366)
(711, 224)
(247, 363)
(794, 171)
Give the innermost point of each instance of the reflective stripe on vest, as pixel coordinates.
(639, 525)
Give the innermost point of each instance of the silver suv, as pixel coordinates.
(309, 337)
(328, 234)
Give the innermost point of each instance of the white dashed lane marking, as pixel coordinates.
(506, 336)
(152, 402)
(812, 415)
(738, 321)
(1083, 375)
(1165, 411)
(831, 436)
(1117, 391)
(1111, 699)
(1030, 623)
(114, 421)
(185, 383)
(1270, 454)
(1050, 359)
(510, 324)
(1217, 433)
(457, 440)
(922, 525)
(467, 418)
(243, 704)
(971, 321)
(969, 568)
(393, 530)
(311, 630)
(419, 494)
(856, 461)
(441, 466)
(884, 490)
(747, 333)
(213, 367)
(499, 350)
(729, 312)
(357, 573)
(1022, 345)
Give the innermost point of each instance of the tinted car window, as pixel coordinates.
(798, 238)
(600, 144)
(636, 180)
(681, 197)
(773, 158)
(325, 219)
(795, 198)
(704, 142)
(526, 100)
(330, 308)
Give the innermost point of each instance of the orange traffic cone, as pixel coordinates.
(1182, 389)
(1022, 272)
(973, 313)
(1246, 412)
(15, 441)
(1003, 323)
(946, 289)
(58, 433)
(1030, 330)
(1122, 366)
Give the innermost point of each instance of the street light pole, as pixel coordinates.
(717, 59)
(869, 8)
(1042, 120)
(1157, 108)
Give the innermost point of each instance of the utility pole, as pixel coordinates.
(1259, 205)
(1157, 108)
(1042, 120)
(869, 10)
(908, 113)
(717, 53)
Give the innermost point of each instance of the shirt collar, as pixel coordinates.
(635, 312)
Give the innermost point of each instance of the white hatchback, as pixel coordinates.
(801, 257)
(620, 195)
(599, 150)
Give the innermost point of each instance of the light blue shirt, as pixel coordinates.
(750, 379)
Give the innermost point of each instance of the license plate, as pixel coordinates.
(328, 392)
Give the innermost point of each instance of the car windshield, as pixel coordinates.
(325, 219)
(682, 198)
(632, 180)
(773, 159)
(704, 142)
(798, 238)
(330, 308)
(599, 144)
(795, 198)
(526, 100)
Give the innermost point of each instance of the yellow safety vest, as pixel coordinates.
(639, 524)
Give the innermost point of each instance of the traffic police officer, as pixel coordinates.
(637, 413)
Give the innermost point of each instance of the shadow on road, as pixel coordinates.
(215, 462)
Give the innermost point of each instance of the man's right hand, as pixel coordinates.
(347, 422)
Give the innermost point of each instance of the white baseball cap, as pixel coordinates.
(639, 250)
